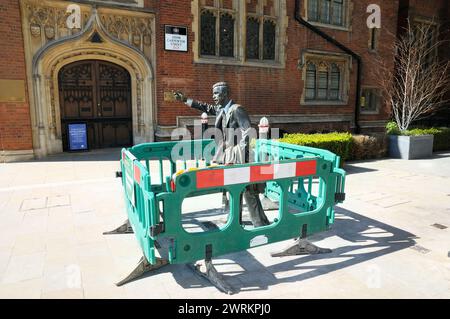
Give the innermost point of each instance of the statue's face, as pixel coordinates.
(219, 95)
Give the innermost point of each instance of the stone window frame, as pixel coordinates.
(343, 61)
(377, 108)
(347, 16)
(240, 6)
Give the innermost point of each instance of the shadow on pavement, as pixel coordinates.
(443, 154)
(351, 169)
(361, 239)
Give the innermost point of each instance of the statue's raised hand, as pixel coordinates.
(179, 96)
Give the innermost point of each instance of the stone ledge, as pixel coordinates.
(15, 156)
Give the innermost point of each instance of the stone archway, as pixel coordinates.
(94, 42)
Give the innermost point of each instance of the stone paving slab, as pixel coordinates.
(53, 212)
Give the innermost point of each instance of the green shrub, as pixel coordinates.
(369, 147)
(421, 131)
(441, 134)
(442, 139)
(338, 143)
(392, 128)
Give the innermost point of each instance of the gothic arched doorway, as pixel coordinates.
(97, 93)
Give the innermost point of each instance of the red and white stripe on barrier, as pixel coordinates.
(253, 174)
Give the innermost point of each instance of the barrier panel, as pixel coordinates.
(157, 177)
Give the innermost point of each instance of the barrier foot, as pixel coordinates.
(122, 229)
(213, 276)
(301, 247)
(143, 267)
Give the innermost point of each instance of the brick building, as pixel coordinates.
(305, 64)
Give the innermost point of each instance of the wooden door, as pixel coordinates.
(97, 93)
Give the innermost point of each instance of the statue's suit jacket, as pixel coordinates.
(233, 145)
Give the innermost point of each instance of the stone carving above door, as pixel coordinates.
(47, 21)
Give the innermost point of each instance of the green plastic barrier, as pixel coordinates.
(154, 201)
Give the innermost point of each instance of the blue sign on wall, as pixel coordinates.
(77, 137)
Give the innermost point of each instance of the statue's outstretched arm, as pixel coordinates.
(204, 107)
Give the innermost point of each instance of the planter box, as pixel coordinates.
(410, 147)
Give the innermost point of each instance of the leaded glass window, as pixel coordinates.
(326, 11)
(313, 10)
(217, 33)
(261, 33)
(252, 38)
(310, 81)
(337, 11)
(323, 82)
(335, 82)
(226, 35)
(208, 33)
(257, 22)
(269, 40)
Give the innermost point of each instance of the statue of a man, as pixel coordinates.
(233, 124)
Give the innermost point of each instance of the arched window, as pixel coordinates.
(269, 40)
(226, 44)
(323, 82)
(261, 30)
(208, 33)
(252, 38)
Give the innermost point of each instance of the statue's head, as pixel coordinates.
(220, 93)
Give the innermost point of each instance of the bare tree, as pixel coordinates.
(420, 81)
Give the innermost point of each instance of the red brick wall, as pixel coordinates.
(15, 124)
(265, 90)
(439, 10)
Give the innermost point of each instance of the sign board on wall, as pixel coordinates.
(77, 133)
(176, 38)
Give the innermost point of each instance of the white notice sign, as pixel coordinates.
(176, 38)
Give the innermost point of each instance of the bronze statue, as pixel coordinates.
(233, 127)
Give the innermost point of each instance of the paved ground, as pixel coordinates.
(53, 213)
